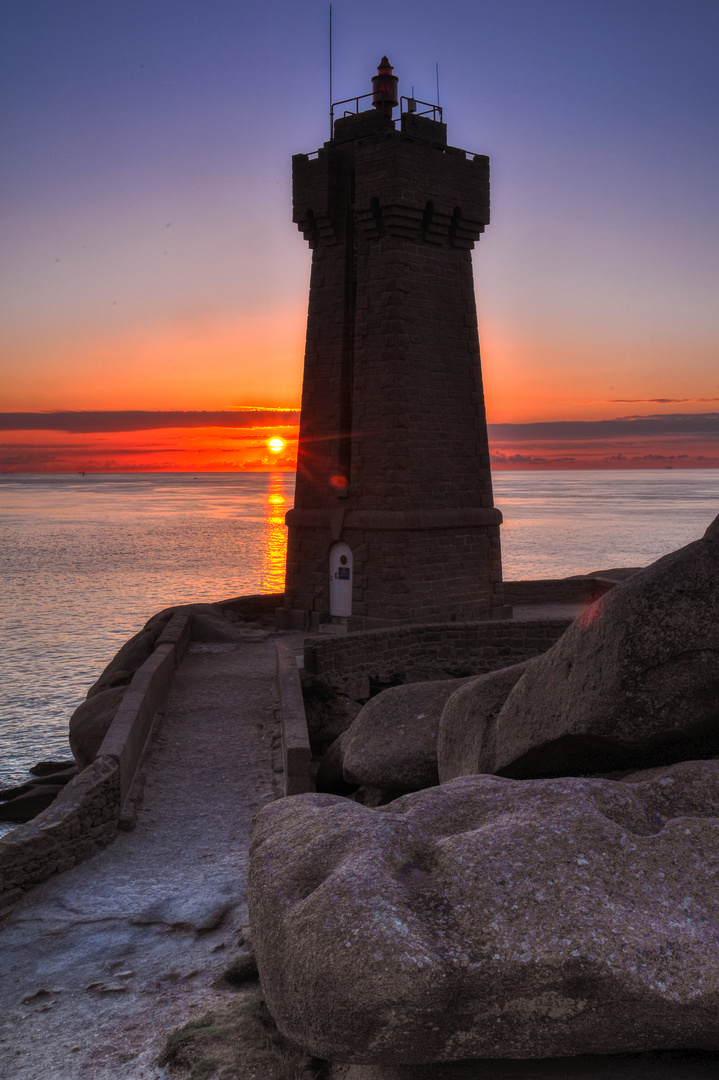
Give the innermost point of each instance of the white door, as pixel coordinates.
(341, 580)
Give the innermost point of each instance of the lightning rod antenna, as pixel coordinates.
(332, 119)
(436, 71)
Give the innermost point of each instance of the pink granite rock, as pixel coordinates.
(493, 918)
(391, 744)
(212, 626)
(633, 682)
(468, 728)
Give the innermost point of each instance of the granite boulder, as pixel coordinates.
(493, 918)
(633, 682)
(468, 725)
(391, 745)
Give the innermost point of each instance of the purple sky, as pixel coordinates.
(149, 259)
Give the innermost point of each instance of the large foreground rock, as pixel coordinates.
(468, 725)
(392, 742)
(635, 680)
(493, 918)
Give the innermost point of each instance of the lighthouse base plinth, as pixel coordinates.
(408, 566)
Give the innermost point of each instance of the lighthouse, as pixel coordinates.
(393, 520)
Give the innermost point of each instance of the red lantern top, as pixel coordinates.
(384, 89)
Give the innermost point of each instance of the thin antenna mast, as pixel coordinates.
(436, 71)
(332, 119)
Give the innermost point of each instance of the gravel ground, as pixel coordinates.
(98, 964)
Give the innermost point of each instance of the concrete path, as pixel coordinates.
(99, 963)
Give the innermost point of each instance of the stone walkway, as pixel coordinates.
(99, 963)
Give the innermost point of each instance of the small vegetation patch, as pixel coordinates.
(242, 969)
(237, 1042)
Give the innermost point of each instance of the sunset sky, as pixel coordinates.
(151, 272)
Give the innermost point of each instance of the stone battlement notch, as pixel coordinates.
(393, 460)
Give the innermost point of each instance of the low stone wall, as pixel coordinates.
(84, 816)
(352, 664)
(296, 749)
(579, 590)
(132, 725)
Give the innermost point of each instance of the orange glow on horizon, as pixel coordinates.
(211, 449)
(221, 449)
(206, 360)
(529, 381)
(197, 362)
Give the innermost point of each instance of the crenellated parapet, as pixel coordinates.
(405, 183)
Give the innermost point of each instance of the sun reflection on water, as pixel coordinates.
(274, 539)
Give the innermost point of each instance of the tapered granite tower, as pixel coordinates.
(394, 519)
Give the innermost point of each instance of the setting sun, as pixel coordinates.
(276, 445)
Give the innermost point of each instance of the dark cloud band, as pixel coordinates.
(76, 423)
(558, 431)
(676, 424)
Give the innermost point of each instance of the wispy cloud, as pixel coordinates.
(652, 401)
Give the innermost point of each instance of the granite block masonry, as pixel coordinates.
(394, 520)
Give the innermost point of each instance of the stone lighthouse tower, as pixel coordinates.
(393, 519)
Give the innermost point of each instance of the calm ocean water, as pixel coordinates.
(86, 560)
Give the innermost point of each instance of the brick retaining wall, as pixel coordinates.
(81, 821)
(351, 664)
(580, 590)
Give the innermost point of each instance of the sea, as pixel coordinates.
(85, 560)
